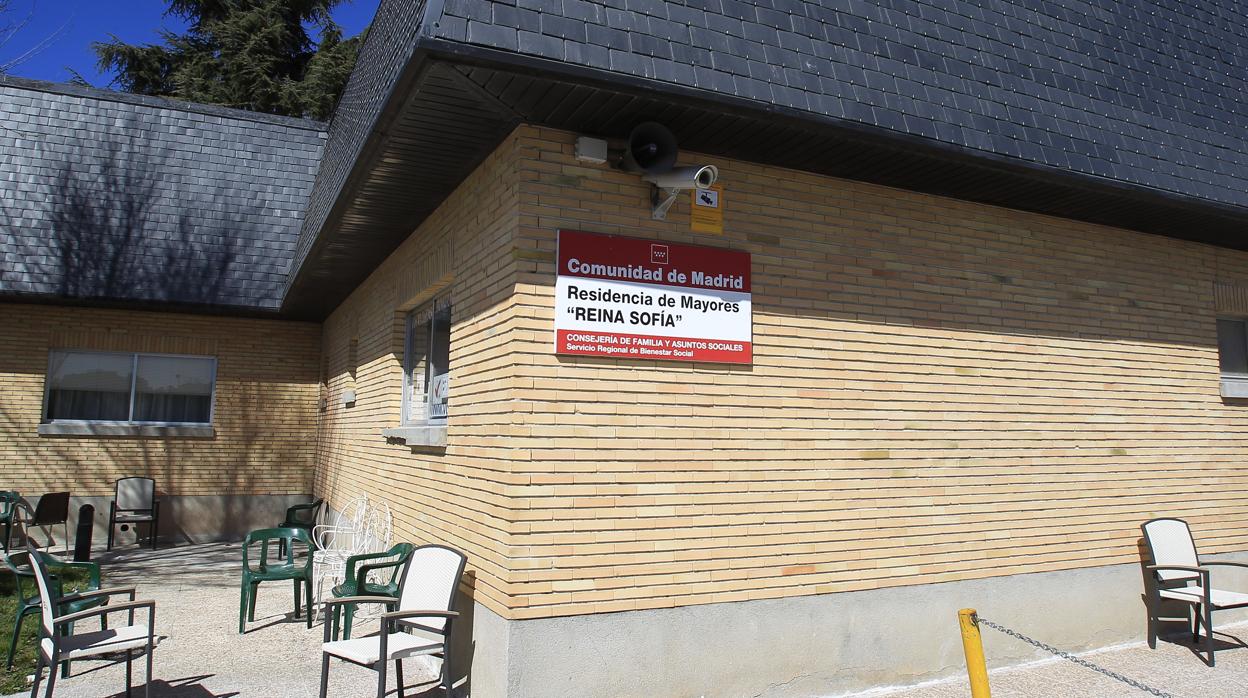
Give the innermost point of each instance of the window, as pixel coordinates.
(426, 364)
(129, 388)
(1233, 357)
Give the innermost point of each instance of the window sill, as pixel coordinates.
(1234, 386)
(434, 436)
(142, 430)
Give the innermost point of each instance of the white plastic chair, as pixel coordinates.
(1180, 575)
(55, 648)
(426, 602)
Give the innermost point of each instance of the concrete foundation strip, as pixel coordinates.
(1077, 660)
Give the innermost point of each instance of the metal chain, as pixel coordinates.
(1077, 660)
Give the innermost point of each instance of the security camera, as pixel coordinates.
(668, 185)
(702, 177)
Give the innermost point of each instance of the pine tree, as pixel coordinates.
(248, 54)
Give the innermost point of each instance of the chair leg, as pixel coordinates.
(398, 675)
(381, 675)
(307, 597)
(324, 674)
(51, 678)
(34, 690)
(17, 630)
(348, 614)
(242, 607)
(251, 601)
(112, 514)
(129, 671)
(147, 691)
(1196, 624)
(447, 682)
(297, 594)
(67, 631)
(1209, 632)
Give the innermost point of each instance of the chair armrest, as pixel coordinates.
(1204, 573)
(351, 562)
(1224, 564)
(400, 615)
(362, 575)
(1180, 568)
(303, 507)
(104, 610)
(389, 601)
(368, 556)
(115, 591)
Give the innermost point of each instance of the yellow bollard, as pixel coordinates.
(976, 669)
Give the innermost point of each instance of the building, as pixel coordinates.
(994, 304)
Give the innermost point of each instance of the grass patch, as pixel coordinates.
(24, 660)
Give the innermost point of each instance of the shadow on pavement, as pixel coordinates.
(189, 687)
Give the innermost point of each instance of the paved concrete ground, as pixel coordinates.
(202, 655)
(196, 589)
(1173, 668)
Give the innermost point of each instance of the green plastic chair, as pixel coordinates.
(18, 564)
(301, 516)
(265, 571)
(356, 583)
(10, 504)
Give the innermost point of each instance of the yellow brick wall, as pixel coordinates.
(457, 496)
(265, 418)
(940, 391)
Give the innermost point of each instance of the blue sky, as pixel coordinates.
(75, 24)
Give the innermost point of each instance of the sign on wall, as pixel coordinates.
(706, 210)
(642, 299)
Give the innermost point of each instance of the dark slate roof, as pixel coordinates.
(1126, 114)
(1150, 93)
(106, 196)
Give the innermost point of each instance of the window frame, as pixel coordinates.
(134, 378)
(426, 314)
(1231, 384)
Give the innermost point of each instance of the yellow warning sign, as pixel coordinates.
(707, 210)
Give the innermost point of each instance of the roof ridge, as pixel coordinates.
(63, 88)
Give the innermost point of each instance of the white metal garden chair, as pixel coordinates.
(363, 527)
(1180, 575)
(425, 615)
(55, 647)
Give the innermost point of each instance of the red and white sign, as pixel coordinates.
(640, 299)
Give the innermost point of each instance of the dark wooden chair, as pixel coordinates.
(134, 503)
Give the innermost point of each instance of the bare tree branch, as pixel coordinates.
(10, 30)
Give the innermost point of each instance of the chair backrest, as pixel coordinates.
(376, 529)
(1170, 543)
(136, 494)
(290, 535)
(430, 582)
(363, 526)
(53, 507)
(305, 515)
(46, 599)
